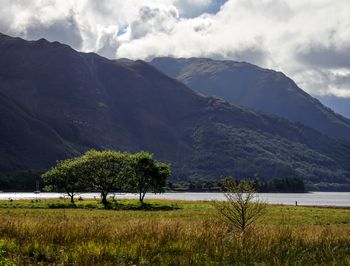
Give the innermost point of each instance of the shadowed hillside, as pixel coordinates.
(56, 102)
(257, 88)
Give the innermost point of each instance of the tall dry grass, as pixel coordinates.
(102, 241)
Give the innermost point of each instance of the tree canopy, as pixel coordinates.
(108, 171)
(65, 177)
(149, 175)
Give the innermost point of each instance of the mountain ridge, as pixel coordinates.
(92, 102)
(261, 89)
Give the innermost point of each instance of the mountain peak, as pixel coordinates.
(56, 103)
(257, 88)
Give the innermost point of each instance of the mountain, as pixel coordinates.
(257, 88)
(22, 136)
(338, 104)
(56, 103)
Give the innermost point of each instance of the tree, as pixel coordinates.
(106, 171)
(149, 175)
(65, 177)
(242, 207)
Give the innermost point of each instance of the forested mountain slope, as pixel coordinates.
(56, 102)
(257, 88)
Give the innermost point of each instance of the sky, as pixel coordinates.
(307, 40)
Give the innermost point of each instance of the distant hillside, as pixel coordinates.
(56, 103)
(254, 87)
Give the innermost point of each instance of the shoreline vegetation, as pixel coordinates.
(169, 232)
(25, 181)
(139, 172)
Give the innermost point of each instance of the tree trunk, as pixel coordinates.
(104, 200)
(72, 198)
(141, 197)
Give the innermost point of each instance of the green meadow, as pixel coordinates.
(53, 232)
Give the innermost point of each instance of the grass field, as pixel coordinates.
(168, 233)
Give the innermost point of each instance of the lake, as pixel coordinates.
(312, 198)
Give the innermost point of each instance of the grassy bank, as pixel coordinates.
(169, 232)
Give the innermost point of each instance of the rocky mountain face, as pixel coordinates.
(56, 103)
(257, 88)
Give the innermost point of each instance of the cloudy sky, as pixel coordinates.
(309, 40)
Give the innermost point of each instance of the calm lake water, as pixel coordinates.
(313, 198)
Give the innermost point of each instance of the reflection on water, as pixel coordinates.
(313, 198)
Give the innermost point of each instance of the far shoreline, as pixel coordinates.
(309, 199)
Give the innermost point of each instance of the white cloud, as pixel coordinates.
(308, 40)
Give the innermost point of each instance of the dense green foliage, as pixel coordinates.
(105, 171)
(148, 176)
(65, 177)
(108, 171)
(189, 235)
(221, 150)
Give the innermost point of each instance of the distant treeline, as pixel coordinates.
(20, 181)
(26, 181)
(288, 184)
